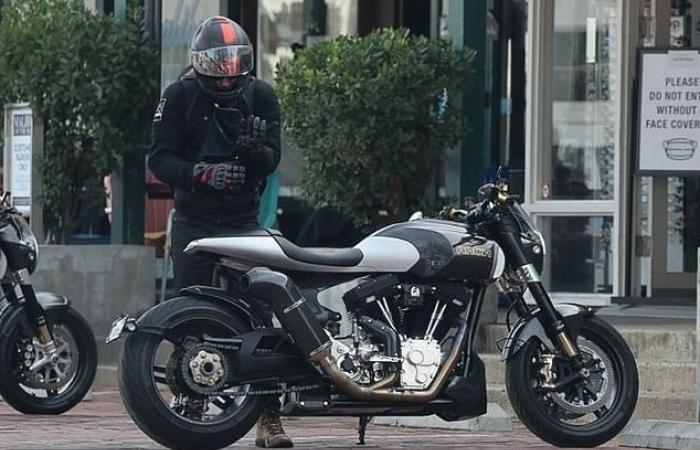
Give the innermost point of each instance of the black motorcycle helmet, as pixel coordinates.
(221, 50)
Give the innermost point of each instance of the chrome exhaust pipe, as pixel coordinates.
(381, 391)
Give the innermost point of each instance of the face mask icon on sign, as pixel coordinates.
(680, 149)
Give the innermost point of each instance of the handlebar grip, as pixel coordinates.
(473, 216)
(478, 214)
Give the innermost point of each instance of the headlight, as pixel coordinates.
(542, 242)
(34, 244)
(3, 265)
(31, 250)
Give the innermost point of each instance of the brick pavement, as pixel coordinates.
(102, 423)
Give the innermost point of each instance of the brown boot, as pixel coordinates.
(270, 434)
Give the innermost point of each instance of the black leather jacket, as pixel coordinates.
(179, 129)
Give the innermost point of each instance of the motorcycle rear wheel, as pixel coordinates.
(145, 383)
(579, 415)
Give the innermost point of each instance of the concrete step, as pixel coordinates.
(647, 344)
(669, 377)
(495, 420)
(666, 434)
(650, 405)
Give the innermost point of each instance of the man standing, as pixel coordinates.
(216, 137)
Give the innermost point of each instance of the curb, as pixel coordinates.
(664, 434)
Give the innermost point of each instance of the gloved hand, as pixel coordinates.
(227, 176)
(253, 135)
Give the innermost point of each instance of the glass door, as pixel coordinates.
(574, 143)
(667, 224)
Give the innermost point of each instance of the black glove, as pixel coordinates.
(227, 176)
(253, 135)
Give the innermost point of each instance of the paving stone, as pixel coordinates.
(104, 424)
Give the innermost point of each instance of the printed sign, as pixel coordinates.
(669, 112)
(21, 159)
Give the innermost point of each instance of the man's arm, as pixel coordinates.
(166, 155)
(263, 160)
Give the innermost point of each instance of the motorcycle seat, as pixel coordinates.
(339, 257)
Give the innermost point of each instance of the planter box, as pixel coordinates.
(101, 281)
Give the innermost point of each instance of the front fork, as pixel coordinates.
(528, 275)
(20, 289)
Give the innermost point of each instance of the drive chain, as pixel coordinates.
(277, 391)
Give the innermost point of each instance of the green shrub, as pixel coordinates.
(364, 110)
(93, 79)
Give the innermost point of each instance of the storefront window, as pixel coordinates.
(580, 163)
(180, 20)
(284, 24)
(579, 254)
(683, 237)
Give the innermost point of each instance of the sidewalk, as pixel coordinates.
(103, 424)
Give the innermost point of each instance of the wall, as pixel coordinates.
(101, 281)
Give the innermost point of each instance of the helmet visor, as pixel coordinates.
(227, 61)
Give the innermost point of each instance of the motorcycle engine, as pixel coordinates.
(421, 361)
(416, 313)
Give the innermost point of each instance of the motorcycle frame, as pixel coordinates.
(282, 367)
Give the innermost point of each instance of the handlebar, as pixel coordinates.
(480, 213)
(457, 215)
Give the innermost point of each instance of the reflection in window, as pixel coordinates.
(580, 254)
(284, 25)
(683, 236)
(180, 20)
(580, 163)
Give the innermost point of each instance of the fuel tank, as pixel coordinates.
(447, 251)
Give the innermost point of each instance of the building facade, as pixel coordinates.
(558, 79)
(611, 231)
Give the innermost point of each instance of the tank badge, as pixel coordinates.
(471, 250)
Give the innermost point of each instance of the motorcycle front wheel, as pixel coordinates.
(174, 389)
(33, 387)
(586, 412)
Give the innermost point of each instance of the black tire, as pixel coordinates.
(532, 411)
(11, 386)
(141, 396)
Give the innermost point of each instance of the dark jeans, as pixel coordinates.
(194, 270)
(191, 269)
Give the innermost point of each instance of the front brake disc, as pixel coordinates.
(52, 375)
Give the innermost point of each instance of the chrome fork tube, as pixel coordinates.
(551, 320)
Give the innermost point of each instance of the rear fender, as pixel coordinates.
(246, 309)
(159, 320)
(525, 328)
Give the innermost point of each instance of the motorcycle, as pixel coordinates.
(48, 354)
(196, 371)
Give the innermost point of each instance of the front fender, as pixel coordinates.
(13, 314)
(529, 327)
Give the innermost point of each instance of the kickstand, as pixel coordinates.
(362, 428)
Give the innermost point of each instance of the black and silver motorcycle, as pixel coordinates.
(395, 336)
(48, 354)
